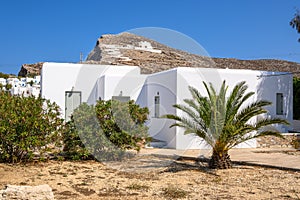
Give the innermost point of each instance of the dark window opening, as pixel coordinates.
(279, 104)
(156, 106)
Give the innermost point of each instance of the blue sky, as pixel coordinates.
(58, 30)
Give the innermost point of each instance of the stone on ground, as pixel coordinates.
(40, 192)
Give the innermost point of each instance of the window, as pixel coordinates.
(279, 104)
(156, 106)
(72, 101)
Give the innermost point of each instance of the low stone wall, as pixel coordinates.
(296, 125)
(290, 140)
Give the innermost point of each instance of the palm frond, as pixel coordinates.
(236, 99)
(261, 134)
(194, 116)
(269, 133)
(210, 91)
(186, 123)
(266, 122)
(170, 116)
(198, 112)
(252, 110)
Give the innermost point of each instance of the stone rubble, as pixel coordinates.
(40, 192)
(275, 142)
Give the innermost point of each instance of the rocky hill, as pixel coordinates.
(30, 69)
(151, 56)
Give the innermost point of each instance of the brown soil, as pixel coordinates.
(152, 177)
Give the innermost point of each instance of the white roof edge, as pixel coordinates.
(162, 72)
(178, 69)
(229, 70)
(170, 70)
(82, 64)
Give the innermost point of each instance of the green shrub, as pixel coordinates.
(73, 147)
(8, 86)
(105, 130)
(123, 123)
(3, 75)
(296, 98)
(84, 137)
(28, 126)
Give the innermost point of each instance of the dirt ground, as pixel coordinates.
(152, 177)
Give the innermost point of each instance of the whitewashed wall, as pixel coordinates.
(195, 77)
(162, 84)
(110, 85)
(183, 77)
(60, 77)
(127, 85)
(171, 86)
(271, 83)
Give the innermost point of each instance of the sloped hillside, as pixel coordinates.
(151, 56)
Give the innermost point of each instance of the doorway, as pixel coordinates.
(72, 101)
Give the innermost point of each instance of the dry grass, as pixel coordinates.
(181, 180)
(174, 192)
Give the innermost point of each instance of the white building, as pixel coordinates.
(3, 81)
(24, 86)
(23, 82)
(36, 80)
(70, 84)
(167, 88)
(14, 82)
(34, 90)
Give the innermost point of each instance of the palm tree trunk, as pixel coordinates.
(220, 161)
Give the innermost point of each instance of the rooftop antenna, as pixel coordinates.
(81, 56)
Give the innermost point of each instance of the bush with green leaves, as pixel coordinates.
(73, 147)
(28, 126)
(8, 86)
(106, 130)
(3, 75)
(296, 98)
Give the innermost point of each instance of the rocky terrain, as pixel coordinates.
(30, 69)
(151, 56)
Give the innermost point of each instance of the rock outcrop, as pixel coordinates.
(40, 192)
(151, 56)
(30, 69)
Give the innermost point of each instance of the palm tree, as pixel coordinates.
(224, 122)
